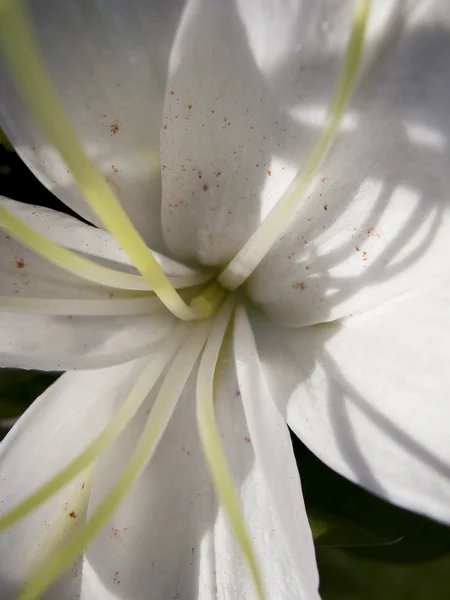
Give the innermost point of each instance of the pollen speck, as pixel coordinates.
(114, 128)
(299, 286)
(20, 263)
(114, 168)
(269, 173)
(73, 515)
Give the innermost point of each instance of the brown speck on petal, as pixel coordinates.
(114, 128)
(269, 173)
(172, 92)
(114, 168)
(73, 515)
(20, 263)
(205, 188)
(325, 207)
(299, 286)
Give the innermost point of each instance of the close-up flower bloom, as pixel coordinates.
(262, 190)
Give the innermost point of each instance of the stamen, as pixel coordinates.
(207, 303)
(27, 67)
(64, 555)
(273, 226)
(212, 447)
(111, 432)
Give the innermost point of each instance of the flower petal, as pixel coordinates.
(369, 395)
(109, 64)
(52, 431)
(375, 224)
(95, 244)
(245, 78)
(67, 341)
(273, 449)
(169, 537)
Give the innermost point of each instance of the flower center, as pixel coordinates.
(179, 354)
(28, 69)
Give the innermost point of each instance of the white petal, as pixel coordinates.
(109, 64)
(60, 343)
(68, 341)
(170, 539)
(272, 444)
(369, 395)
(94, 244)
(244, 78)
(53, 430)
(375, 223)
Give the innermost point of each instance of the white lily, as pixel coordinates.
(241, 88)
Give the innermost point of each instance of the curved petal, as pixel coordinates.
(80, 338)
(95, 244)
(369, 395)
(169, 538)
(109, 64)
(245, 79)
(273, 449)
(65, 342)
(375, 224)
(52, 431)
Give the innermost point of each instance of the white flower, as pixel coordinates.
(349, 308)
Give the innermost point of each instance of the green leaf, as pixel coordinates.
(335, 531)
(346, 575)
